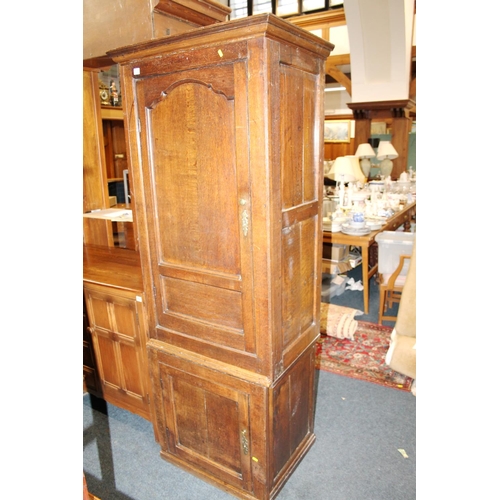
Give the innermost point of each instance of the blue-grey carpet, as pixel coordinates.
(354, 299)
(359, 428)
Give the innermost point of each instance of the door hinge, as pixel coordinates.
(244, 441)
(244, 217)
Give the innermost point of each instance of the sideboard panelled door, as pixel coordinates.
(199, 205)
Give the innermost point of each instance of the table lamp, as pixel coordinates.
(364, 153)
(356, 168)
(342, 171)
(386, 153)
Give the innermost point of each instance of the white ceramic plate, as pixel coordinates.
(332, 228)
(355, 231)
(373, 225)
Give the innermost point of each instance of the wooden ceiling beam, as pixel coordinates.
(341, 77)
(328, 18)
(340, 60)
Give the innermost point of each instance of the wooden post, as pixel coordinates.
(362, 131)
(401, 127)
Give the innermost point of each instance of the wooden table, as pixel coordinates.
(404, 216)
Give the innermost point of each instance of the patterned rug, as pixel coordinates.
(362, 358)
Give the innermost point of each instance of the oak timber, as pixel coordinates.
(225, 134)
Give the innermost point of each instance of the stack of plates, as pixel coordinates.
(355, 231)
(336, 227)
(337, 224)
(374, 224)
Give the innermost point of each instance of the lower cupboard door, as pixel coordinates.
(207, 421)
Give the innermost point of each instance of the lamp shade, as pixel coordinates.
(365, 151)
(344, 169)
(356, 167)
(386, 150)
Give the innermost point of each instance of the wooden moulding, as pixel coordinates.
(111, 113)
(239, 29)
(207, 362)
(381, 109)
(199, 12)
(98, 62)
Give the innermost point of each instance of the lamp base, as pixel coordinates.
(366, 166)
(386, 167)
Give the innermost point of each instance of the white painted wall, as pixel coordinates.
(336, 103)
(380, 40)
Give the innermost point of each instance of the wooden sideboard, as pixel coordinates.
(225, 131)
(114, 304)
(91, 381)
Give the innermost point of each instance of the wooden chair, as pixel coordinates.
(391, 287)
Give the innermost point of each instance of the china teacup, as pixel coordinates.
(358, 219)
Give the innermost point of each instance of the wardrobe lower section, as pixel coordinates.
(232, 427)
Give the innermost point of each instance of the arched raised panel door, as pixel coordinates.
(199, 208)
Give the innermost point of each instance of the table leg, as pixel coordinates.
(366, 278)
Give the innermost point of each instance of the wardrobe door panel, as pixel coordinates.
(300, 227)
(197, 187)
(207, 420)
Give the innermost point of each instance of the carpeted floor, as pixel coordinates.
(360, 428)
(354, 299)
(362, 358)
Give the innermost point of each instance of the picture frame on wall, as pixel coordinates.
(337, 131)
(378, 128)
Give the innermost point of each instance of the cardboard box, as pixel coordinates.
(335, 252)
(332, 267)
(329, 267)
(354, 260)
